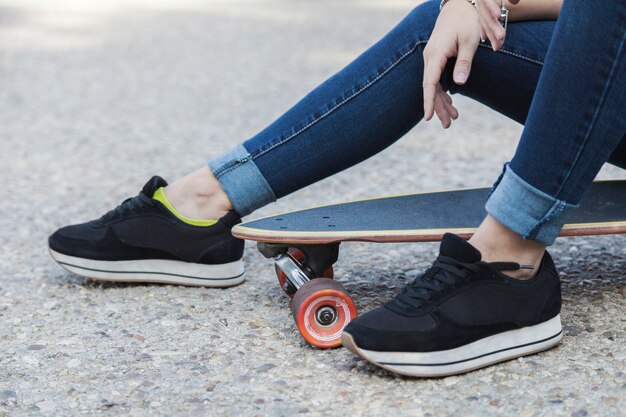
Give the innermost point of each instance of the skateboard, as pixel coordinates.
(304, 244)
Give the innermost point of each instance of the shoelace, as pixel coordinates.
(445, 272)
(129, 205)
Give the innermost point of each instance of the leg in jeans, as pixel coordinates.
(183, 233)
(369, 105)
(465, 313)
(576, 122)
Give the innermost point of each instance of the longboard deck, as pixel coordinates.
(425, 217)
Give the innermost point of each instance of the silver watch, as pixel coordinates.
(472, 2)
(504, 14)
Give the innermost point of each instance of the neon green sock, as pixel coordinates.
(159, 195)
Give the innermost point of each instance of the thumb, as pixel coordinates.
(464, 62)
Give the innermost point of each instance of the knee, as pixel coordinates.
(419, 23)
(618, 157)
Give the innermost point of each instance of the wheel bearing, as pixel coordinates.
(326, 315)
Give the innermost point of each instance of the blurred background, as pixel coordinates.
(97, 96)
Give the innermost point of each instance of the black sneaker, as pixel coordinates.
(142, 241)
(461, 314)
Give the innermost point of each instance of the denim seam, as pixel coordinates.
(344, 101)
(554, 211)
(225, 169)
(587, 134)
(515, 54)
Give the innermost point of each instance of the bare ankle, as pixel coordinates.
(199, 195)
(497, 243)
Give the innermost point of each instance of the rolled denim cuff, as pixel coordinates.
(242, 181)
(525, 210)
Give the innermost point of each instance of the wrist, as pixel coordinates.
(467, 2)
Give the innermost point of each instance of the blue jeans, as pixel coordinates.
(574, 122)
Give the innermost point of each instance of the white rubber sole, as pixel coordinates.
(160, 271)
(483, 352)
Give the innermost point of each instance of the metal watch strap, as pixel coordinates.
(472, 2)
(504, 14)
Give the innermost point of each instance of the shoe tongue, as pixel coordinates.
(152, 185)
(457, 248)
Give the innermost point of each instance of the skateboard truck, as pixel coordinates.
(292, 269)
(317, 258)
(320, 306)
(297, 265)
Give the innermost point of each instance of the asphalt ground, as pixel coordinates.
(96, 97)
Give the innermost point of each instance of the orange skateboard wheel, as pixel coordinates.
(321, 309)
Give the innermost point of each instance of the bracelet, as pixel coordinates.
(504, 14)
(472, 2)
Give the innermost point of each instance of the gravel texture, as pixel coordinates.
(95, 97)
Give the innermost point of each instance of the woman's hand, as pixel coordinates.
(489, 16)
(456, 34)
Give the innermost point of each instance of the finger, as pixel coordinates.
(442, 113)
(433, 67)
(493, 27)
(447, 102)
(485, 31)
(429, 101)
(463, 64)
(440, 108)
(497, 35)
